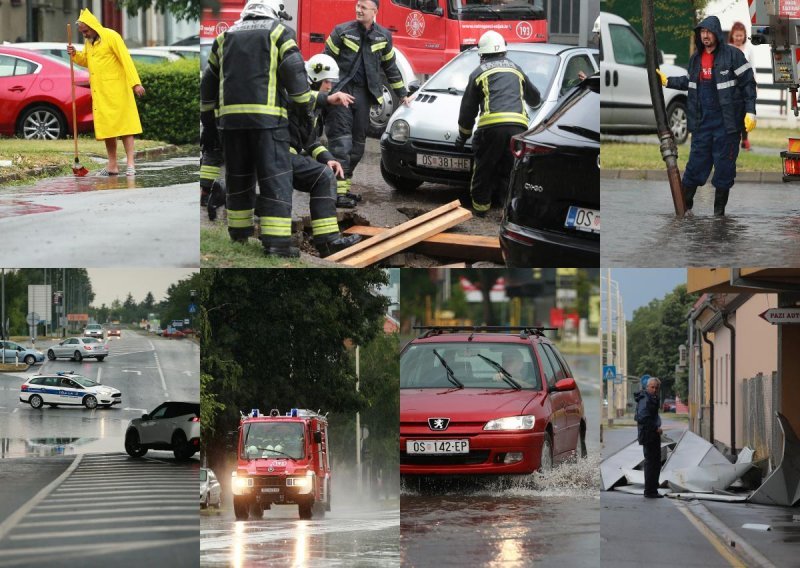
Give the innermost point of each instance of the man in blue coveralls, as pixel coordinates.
(722, 102)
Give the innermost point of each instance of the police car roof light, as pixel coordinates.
(293, 413)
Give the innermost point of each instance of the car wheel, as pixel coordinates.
(678, 121)
(41, 122)
(100, 358)
(256, 511)
(51, 356)
(379, 114)
(306, 510)
(204, 504)
(35, 401)
(581, 449)
(546, 461)
(77, 356)
(132, 445)
(318, 510)
(90, 402)
(30, 360)
(397, 182)
(180, 447)
(241, 507)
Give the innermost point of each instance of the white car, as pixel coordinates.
(68, 389)
(93, 330)
(210, 490)
(171, 426)
(79, 348)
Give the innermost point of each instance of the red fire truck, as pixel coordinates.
(426, 33)
(282, 460)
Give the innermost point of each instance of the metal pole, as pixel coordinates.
(358, 425)
(609, 350)
(3, 304)
(669, 151)
(620, 402)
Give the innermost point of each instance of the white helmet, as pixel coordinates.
(596, 26)
(262, 8)
(491, 42)
(321, 67)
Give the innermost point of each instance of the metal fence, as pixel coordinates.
(759, 402)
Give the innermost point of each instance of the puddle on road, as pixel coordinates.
(41, 447)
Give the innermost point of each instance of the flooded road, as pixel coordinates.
(148, 219)
(543, 519)
(762, 227)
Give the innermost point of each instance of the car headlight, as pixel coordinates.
(243, 482)
(399, 131)
(512, 423)
(302, 482)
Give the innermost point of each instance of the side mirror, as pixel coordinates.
(566, 385)
(438, 12)
(145, 417)
(317, 437)
(413, 86)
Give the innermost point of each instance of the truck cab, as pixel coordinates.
(282, 460)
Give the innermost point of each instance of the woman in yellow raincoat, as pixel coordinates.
(114, 81)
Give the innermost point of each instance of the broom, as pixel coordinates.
(77, 168)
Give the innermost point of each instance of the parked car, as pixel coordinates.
(171, 426)
(210, 490)
(669, 405)
(13, 352)
(625, 103)
(552, 210)
(148, 55)
(68, 389)
(93, 330)
(35, 97)
(54, 48)
(79, 348)
(477, 401)
(419, 142)
(182, 51)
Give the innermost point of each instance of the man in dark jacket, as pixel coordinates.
(362, 49)
(722, 102)
(649, 427)
(499, 89)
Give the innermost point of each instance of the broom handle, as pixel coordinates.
(72, 84)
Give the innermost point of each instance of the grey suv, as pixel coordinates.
(171, 426)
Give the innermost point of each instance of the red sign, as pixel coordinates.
(781, 315)
(77, 317)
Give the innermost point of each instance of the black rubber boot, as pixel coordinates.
(216, 199)
(688, 196)
(204, 193)
(354, 196)
(331, 246)
(343, 201)
(720, 201)
(282, 248)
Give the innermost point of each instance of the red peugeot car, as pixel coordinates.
(35, 99)
(483, 400)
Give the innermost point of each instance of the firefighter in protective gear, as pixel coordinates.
(252, 69)
(363, 50)
(499, 89)
(314, 167)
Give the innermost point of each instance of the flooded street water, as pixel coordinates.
(762, 226)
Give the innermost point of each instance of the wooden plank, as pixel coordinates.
(406, 238)
(447, 245)
(417, 221)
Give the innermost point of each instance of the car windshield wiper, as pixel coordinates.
(503, 373)
(451, 90)
(276, 452)
(451, 376)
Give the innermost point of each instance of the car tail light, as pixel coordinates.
(88, 347)
(24, 387)
(519, 237)
(194, 419)
(520, 148)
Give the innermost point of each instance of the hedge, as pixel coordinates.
(169, 109)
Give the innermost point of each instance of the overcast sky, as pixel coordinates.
(111, 283)
(638, 286)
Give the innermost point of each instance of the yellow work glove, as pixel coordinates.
(749, 122)
(662, 77)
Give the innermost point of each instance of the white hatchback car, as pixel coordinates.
(210, 490)
(68, 389)
(171, 426)
(79, 348)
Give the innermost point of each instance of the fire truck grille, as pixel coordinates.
(474, 457)
(271, 481)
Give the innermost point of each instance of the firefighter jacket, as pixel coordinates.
(732, 74)
(304, 135)
(248, 67)
(499, 89)
(345, 45)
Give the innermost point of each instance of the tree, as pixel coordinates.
(148, 303)
(181, 9)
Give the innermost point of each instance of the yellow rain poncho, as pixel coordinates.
(112, 76)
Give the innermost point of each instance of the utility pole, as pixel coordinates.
(609, 351)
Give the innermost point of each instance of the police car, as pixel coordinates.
(69, 389)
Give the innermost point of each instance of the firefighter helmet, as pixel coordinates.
(262, 9)
(491, 42)
(321, 67)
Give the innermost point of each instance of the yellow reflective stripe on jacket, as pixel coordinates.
(213, 59)
(286, 45)
(388, 56)
(479, 207)
(254, 109)
(207, 106)
(484, 83)
(324, 226)
(378, 46)
(220, 45)
(466, 132)
(317, 151)
(209, 172)
(486, 74)
(276, 226)
(350, 43)
(398, 85)
(273, 64)
(292, 150)
(329, 43)
(302, 98)
(242, 219)
(490, 118)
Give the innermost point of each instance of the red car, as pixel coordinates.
(35, 99)
(481, 400)
(115, 331)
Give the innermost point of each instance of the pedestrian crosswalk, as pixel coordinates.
(111, 503)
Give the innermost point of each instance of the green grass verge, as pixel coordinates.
(772, 137)
(627, 156)
(218, 251)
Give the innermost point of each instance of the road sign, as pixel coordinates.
(618, 380)
(777, 316)
(609, 372)
(192, 308)
(32, 318)
(644, 380)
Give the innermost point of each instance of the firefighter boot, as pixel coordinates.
(348, 186)
(720, 201)
(688, 196)
(327, 247)
(216, 199)
(280, 247)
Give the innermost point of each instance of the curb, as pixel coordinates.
(661, 175)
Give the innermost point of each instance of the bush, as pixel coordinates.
(170, 109)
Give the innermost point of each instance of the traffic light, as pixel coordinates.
(57, 297)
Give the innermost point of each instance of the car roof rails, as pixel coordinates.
(524, 331)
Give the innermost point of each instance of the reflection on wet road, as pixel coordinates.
(345, 537)
(762, 227)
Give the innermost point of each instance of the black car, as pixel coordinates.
(552, 212)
